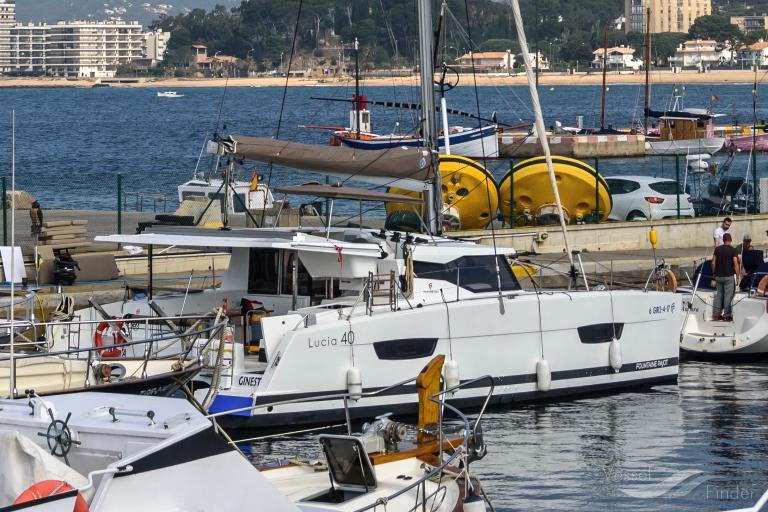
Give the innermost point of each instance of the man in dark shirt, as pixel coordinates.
(725, 265)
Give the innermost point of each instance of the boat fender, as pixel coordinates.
(653, 237)
(451, 373)
(614, 355)
(46, 488)
(354, 383)
(473, 503)
(119, 339)
(543, 375)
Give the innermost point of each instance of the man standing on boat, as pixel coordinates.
(725, 265)
(720, 231)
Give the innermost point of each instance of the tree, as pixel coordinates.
(499, 45)
(714, 27)
(663, 46)
(755, 36)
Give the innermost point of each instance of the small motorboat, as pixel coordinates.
(169, 94)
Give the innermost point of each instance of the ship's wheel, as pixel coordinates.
(59, 437)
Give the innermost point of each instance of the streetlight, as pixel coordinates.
(281, 62)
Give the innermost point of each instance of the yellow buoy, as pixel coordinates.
(535, 201)
(653, 237)
(470, 194)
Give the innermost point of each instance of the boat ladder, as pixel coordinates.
(380, 290)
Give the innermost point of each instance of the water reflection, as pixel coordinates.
(699, 446)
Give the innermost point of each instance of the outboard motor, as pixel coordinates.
(64, 269)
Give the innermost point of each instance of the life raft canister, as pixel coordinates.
(47, 488)
(118, 339)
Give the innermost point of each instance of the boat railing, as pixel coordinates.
(470, 431)
(192, 344)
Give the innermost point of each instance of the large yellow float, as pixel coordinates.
(535, 200)
(470, 197)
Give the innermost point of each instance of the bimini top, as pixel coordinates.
(345, 192)
(404, 167)
(207, 237)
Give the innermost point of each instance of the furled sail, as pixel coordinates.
(402, 167)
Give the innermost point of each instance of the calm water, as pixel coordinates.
(73, 142)
(699, 446)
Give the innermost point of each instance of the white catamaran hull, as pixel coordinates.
(684, 147)
(747, 335)
(315, 352)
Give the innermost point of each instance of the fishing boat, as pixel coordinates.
(169, 94)
(97, 452)
(745, 141)
(683, 132)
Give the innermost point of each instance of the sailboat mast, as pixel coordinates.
(647, 69)
(605, 71)
(12, 383)
(429, 124)
(357, 89)
(754, 138)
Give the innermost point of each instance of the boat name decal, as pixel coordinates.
(248, 380)
(665, 308)
(649, 365)
(347, 338)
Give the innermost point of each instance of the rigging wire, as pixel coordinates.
(482, 150)
(282, 102)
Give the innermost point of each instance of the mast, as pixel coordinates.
(754, 139)
(12, 383)
(605, 71)
(429, 125)
(647, 69)
(540, 130)
(357, 89)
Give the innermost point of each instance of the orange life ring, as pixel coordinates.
(46, 488)
(119, 339)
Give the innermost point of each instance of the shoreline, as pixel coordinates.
(545, 79)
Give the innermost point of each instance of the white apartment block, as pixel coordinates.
(78, 49)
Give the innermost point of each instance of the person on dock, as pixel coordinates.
(725, 265)
(36, 218)
(717, 236)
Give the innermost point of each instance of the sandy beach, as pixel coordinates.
(547, 79)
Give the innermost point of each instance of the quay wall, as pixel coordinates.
(623, 236)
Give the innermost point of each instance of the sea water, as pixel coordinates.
(71, 143)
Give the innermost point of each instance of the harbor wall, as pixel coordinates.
(623, 236)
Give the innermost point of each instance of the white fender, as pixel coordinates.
(543, 375)
(614, 355)
(451, 373)
(354, 383)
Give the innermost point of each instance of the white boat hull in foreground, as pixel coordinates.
(314, 350)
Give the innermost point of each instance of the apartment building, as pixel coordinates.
(749, 24)
(666, 15)
(81, 49)
(7, 21)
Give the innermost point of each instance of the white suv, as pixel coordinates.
(641, 197)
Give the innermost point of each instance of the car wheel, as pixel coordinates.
(636, 215)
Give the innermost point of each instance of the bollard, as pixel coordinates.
(677, 180)
(119, 204)
(5, 213)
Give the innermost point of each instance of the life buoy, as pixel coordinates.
(119, 339)
(670, 283)
(46, 488)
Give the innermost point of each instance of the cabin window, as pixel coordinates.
(238, 206)
(474, 273)
(405, 349)
(191, 195)
(304, 279)
(263, 271)
(600, 333)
